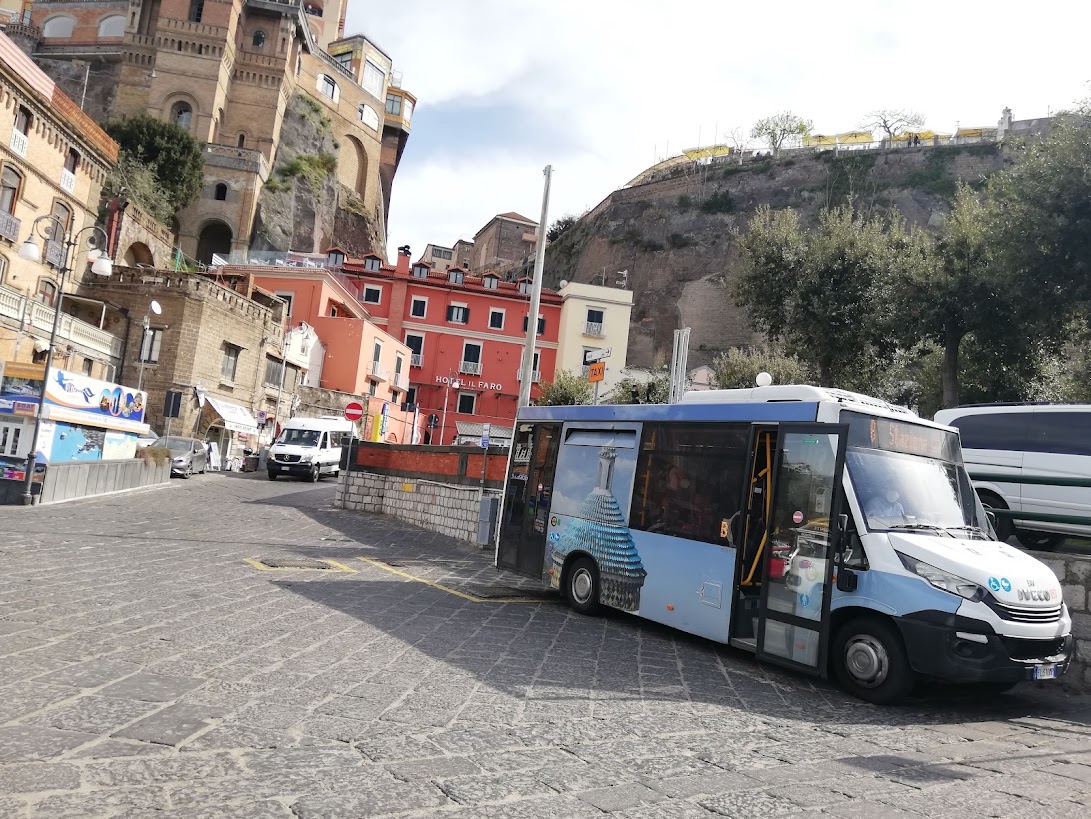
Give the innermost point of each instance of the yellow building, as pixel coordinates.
(53, 161)
(594, 318)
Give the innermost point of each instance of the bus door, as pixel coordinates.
(800, 543)
(527, 495)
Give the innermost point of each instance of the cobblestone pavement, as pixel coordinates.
(148, 670)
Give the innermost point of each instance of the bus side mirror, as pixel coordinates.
(847, 581)
(842, 524)
(991, 515)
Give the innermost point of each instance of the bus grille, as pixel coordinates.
(288, 459)
(1019, 614)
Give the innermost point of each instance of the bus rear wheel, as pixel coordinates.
(581, 586)
(870, 662)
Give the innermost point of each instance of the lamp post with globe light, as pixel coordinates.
(451, 382)
(144, 341)
(59, 249)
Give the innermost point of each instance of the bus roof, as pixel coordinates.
(790, 392)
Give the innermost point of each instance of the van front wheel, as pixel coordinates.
(870, 662)
(316, 473)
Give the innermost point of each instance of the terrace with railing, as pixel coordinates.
(37, 319)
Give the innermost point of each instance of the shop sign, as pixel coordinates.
(470, 385)
(78, 399)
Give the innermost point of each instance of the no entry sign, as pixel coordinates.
(354, 411)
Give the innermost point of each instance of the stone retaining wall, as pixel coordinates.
(445, 508)
(1074, 572)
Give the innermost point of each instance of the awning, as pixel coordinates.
(236, 418)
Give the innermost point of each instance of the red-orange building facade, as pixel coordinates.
(460, 328)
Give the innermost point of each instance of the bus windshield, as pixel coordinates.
(299, 437)
(908, 476)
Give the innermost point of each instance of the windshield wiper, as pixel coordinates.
(931, 527)
(974, 530)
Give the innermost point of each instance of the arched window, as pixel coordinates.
(259, 39)
(60, 26)
(47, 292)
(369, 116)
(11, 185)
(328, 87)
(63, 214)
(3, 268)
(242, 140)
(181, 114)
(221, 192)
(112, 26)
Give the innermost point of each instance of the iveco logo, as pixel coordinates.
(1038, 595)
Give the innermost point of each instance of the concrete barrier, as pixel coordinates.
(85, 479)
(1074, 572)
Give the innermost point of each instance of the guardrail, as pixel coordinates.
(1035, 480)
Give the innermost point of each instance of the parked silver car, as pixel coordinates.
(187, 455)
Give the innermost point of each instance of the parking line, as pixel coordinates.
(333, 564)
(439, 586)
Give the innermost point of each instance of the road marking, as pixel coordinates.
(332, 565)
(378, 564)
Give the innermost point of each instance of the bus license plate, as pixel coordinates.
(1045, 672)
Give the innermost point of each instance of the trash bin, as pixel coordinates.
(250, 463)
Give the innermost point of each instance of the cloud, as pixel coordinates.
(601, 89)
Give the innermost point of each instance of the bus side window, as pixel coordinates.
(688, 481)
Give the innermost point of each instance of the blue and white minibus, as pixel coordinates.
(823, 530)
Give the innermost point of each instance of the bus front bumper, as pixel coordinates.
(955, 649)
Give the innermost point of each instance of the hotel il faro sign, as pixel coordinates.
(470, 385)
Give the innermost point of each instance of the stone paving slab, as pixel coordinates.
(162, 675)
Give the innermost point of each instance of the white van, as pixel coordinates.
(1029, 441)
(310, 447)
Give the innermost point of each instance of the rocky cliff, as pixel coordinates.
(674, 235)
(302, 206)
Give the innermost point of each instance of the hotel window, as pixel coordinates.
(372, 264)
(415, 343)
(456, 276)
(490, 282)
(524, 287)
(541, 324)
(287, 299)
(335, 258)
(372, 295)
(458, 314)
(420, 271)
(374, 79)
(467, 403)
(393, 105)
(419, 307)
(496, 319)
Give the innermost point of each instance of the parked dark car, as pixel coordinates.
(187, 455)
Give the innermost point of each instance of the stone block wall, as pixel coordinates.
(445, 508)
(1074, 572)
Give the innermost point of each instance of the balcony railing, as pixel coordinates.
(18, 142)
(401, 381)
(535, 376)
(470, 367)
(17, 306)
(585, 371)
(68, 180)
(376, 369)
(54, 254)
(9, 227)
(593, 328)
(416, 360)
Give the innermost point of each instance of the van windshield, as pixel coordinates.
(300, 437)
(908, 476)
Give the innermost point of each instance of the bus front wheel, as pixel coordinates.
(870, 662)
(581, 586)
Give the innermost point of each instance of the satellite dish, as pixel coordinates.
(564, 283)
(156, 308)
(764, 379)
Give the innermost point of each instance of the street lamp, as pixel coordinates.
(52, 229)
(446, 394)
(284, 343)
(155, 308)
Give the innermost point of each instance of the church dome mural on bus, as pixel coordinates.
(600, 530)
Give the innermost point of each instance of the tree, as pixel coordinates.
(168, 150)
(566, 389)
(827, 293)
(777, 129)
(737, 368)
(558, 228)
(893, 121)
(133, 180)
(655, 390)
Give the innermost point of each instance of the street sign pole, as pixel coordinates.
(485, 428)
(527, 370)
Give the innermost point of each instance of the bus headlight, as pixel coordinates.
(942, 580)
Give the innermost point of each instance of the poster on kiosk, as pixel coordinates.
(90, 420)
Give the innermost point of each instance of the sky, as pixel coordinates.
(602, 89)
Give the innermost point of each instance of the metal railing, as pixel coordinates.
(68, 180)
(593, 328)
(18, 306)
(470, 367)
(9, 227)
(401, 381)
(378, 370)
(18, 142)
(416, 360)
(54, 253)
(1035, 480)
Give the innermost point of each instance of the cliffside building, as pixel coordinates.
(227, 70)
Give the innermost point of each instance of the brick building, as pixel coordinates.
(226, 70)
(507, 241)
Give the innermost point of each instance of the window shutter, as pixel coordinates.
(450, 312)
(541, 326)
(466, 315)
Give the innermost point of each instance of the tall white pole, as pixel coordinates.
(527, 375)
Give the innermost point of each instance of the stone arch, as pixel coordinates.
(215, 237)
(61, 25)
(352, 165)
(112, 25)
(138, 254)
